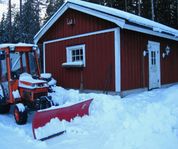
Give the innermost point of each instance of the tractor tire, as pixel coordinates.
(20, 116)
(4, 108)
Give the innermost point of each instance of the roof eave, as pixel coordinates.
(58, 14)
(91, 11)
(149, 31)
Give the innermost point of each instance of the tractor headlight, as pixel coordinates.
(12, 48)
(34, 48)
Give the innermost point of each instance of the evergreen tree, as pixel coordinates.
(3, 36)
(176, 14)
(30, 20)
(120, 4)
(52, 7)
(17, 28)
(146, 9)
(166, 12)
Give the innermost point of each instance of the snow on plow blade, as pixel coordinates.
(51, 119)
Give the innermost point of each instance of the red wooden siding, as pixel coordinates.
(99, 62)
(100, 59)
(134, 67)
(83, 24)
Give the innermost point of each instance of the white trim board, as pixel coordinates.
(81, 35)
(117, 60)
(119, 21)
(60, 12)
(116, 46)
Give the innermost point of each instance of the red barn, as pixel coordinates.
(95, 47)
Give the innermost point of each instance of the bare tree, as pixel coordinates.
(126, 5)
(139, 7)
(152, 10)
(20, 8)
(10, 20)
(177, 11)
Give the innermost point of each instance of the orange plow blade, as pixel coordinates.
(44, 117)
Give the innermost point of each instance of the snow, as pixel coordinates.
(73, 64)
(21, 107)
(17, 45)
(28, 78)
(128, 16)
(1, 92)
(16, 94)
(52, 82)
(55, 123)
(46, 75)
(147, 120)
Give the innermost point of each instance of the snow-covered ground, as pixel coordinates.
(147, 120)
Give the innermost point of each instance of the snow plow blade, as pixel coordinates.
(43, 117)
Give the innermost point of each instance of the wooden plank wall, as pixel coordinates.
(134, 67)
(99, 62)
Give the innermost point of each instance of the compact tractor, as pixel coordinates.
(23, 86)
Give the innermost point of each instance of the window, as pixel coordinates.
(75, 56)
(153, 57)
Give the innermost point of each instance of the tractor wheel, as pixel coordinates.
(4, 108)
(20, 114)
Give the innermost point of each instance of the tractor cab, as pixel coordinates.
(20, 78)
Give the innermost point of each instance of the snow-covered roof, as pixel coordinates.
(17, 45)
(123, 19)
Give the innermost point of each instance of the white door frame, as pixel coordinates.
(154, 65)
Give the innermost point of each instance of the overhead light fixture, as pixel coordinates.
(34, 48)
(166, 52)
(145, 52)
(12, 48)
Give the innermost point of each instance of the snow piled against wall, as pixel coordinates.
(148, 120)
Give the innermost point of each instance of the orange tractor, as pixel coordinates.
(22, 85)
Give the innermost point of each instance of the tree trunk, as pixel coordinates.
(152, 10)
(10, 21)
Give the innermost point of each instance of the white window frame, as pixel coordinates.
(69, 62)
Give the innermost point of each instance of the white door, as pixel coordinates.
(154, 64)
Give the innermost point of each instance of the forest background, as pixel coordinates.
(20, 25)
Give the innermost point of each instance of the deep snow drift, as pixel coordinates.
(147, 120)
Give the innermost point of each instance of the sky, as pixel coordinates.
(4, 5)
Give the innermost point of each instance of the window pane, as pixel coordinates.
(73, 52)
(81, 52)
(77, 52)
(73, 59)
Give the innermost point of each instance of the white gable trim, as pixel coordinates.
(116, 20)
(58, 14)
